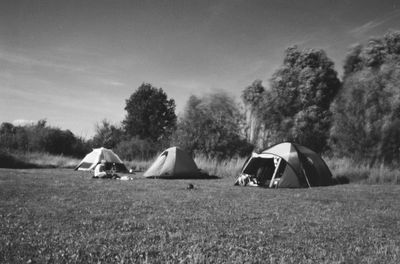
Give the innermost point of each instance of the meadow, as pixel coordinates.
(63, 216)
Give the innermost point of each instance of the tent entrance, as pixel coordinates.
(265, 171)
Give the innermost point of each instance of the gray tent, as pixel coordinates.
(173, 163)
(286, 165)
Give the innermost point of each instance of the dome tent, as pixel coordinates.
(173, 163)
(287, 165)
(90, 161)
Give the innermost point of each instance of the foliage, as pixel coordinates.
(252, 97)
(367, 110)
(377, 52)
(107, 135)
(136, 148)
(150, 114)
(212, 126)
(41, 138)
(59, 216)
(296, 106)
(128, 147)
(300, 96)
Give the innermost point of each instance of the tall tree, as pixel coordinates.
(367, 110)
(150, 114)
(252, 96)
(296, 108)
(212, 126)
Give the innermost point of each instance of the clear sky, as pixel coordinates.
(75, 63)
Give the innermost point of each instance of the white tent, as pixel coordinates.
(90, 161)
(173, 163)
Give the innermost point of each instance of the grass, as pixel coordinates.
(139, 165)
(46, 160)
(64, 216)
(224, 169)
(361, 172)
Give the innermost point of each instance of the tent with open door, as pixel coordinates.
(90, 161)
(173, 163)
(285, 165)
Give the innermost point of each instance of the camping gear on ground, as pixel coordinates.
(125, 178)
(285, 165)
(112, 161)
(173, 163)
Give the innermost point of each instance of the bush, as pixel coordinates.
(41, 138)
(136, 148)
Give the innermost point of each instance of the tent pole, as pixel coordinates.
(305, 175)
(275, 172)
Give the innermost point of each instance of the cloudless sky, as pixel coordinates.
(75, 63)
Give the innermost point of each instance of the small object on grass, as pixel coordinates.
(190, 186)
(125, 178)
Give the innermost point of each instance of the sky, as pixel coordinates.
(74, 63)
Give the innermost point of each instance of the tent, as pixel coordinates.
(90, 161)
(285, 165)
(173, 163)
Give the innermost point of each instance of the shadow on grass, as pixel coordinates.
(9, 161)
(186, 177)
(340, 180)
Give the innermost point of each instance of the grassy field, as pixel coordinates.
(64, 216)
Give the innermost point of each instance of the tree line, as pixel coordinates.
(304, 102)
(40, 137)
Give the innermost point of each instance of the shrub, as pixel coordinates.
(137, 149)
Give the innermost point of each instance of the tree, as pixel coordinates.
(374, 54)
(353, 61)
(57, 141)
(367, 110)
(41, 138)
(252, 96)
(150, 114)
(7, 136)
(296, 108)
(136, 148)
(107, 135)
(212, 126)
